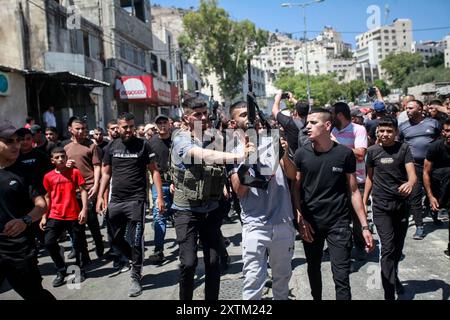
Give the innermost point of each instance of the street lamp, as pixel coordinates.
(303, 6)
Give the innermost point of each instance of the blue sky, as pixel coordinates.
(347, 16)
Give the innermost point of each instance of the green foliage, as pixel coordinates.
(383, 86)
(400, 66)
(346, 54)
(436, 61)
(426, 75)
(220, 45)
(324, 88)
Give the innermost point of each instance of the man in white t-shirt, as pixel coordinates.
(49, 117)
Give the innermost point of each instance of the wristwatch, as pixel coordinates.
(27, 219)
(366, 228)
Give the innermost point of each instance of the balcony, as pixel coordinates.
(132, 28)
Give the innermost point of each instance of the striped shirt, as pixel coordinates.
(354, 136)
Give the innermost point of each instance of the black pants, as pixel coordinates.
(415, 199)
(189, 226)
(391, 220)
(54, 229)
(440, 184)
(339, 240)
(24, 277)
(92, 221)
(127, 227)
(358, 239)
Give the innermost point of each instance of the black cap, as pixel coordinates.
(161, 116)
(6, 130)
(35, 129)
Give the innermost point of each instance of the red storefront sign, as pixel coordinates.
(146, 89)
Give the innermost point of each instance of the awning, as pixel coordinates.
(146, 89)
(68, 78)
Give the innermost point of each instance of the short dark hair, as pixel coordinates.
(75, 119)
(446, 122)
(342, 107)
(436, 102)
(237, 105)
(56, 150)
(420, 103)
(99, 129)
(388, 121)
(323, 111)
(22, 132)
(190, 104)
(52, 129)
(302, 109)
(127, 116)
(111, 122)
(29, 119)
(392, 108)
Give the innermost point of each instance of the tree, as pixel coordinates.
(399, 66)
(383, 86)
(426, 75)
(220, 45)
(436, 61)
(346, 54)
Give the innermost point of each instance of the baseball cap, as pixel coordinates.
(35, 129)
(356, 113)
(161, 116)
(379, 106)
(6, 130)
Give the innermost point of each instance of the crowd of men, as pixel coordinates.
(318, 178)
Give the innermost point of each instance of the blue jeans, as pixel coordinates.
(160, 221)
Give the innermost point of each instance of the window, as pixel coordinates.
(163, 68)
(134, 8)
(154, 64)
(86, 44)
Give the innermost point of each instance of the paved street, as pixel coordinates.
(425, 273)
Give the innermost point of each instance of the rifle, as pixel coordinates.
(214, 105)
(258, 181)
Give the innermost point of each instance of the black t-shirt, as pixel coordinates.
(291, 130)
(33, 166)
(324, 192)
(439, 154)
(371, 128)
(389, 169)
(15, 202)
(161, 151)
(129, 168)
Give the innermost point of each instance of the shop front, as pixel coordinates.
(144, 96)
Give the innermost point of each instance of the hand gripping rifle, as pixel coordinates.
(214, 105)
(258, 181)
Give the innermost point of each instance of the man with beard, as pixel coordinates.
(126, 161)
(419, 132)
(199, 179)
(20, 206)
(436, 174)
(86, 157)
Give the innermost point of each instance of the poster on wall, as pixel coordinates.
(4, 84)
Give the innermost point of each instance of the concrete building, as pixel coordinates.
(362, 71)
(13, 101)
(373, 46)
(62, 63)
(447, 51)
(128, 43)
(428, 49)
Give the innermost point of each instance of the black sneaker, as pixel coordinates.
(399, 288)
(60, 279)
(447, 253)
(99, 250)
(156, 258)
